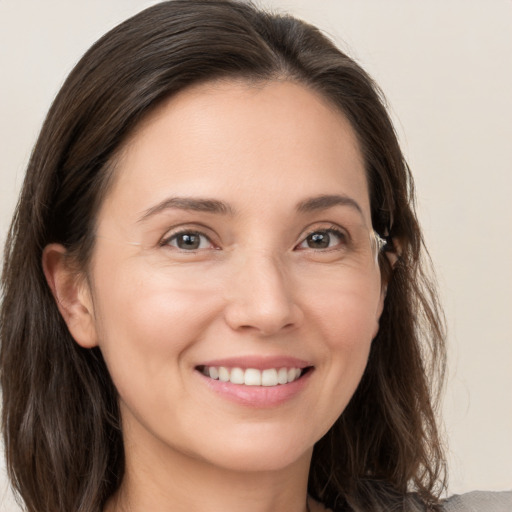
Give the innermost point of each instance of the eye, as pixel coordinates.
(188, 241)
(323, 239)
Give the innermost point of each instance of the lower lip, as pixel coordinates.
(257, 396)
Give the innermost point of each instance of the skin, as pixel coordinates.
(254, 287)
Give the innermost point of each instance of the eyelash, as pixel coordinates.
(167, 240)
(341, 235)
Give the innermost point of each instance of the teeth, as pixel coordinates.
(269, 377)
(223, 374)
(237, 376)
(252, 376)
(282, 376)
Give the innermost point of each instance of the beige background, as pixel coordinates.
(446, 69)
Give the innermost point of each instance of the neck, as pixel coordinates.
(173, 481)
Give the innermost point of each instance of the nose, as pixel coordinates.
(260, 297)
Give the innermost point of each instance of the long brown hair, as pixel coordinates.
(60, 414)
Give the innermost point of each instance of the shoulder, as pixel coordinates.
(479, 501)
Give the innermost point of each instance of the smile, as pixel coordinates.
(253, 376)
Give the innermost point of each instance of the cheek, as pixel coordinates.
(346, 318)
(347, 312)
(146, 320)
(348, 336)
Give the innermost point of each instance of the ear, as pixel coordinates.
(392, 257)
(72, 295)
(395, 252)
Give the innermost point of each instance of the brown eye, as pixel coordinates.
(325, 239)
(318, 240)
(189, 241)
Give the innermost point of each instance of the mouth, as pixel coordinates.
(268, 377)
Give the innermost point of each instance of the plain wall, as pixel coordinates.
(445, 67)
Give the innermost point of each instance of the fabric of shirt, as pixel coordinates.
(479, 501)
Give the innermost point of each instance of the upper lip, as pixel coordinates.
(258, 362)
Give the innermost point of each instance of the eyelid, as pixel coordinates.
(332, 228)
(180, 230)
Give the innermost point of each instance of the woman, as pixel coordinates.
(213, 290)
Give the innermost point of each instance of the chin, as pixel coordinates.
(258, 460)
(259, 451)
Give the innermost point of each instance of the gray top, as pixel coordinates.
(479, 501)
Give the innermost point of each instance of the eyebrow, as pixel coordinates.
(325, 202)
(189, 203)
(312, 204)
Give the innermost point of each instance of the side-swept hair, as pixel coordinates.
(60, 415)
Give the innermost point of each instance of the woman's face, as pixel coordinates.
(236, 243)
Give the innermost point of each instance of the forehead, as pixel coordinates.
(234, 136)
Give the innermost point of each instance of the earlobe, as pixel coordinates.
(394, 252)
(72, 295)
